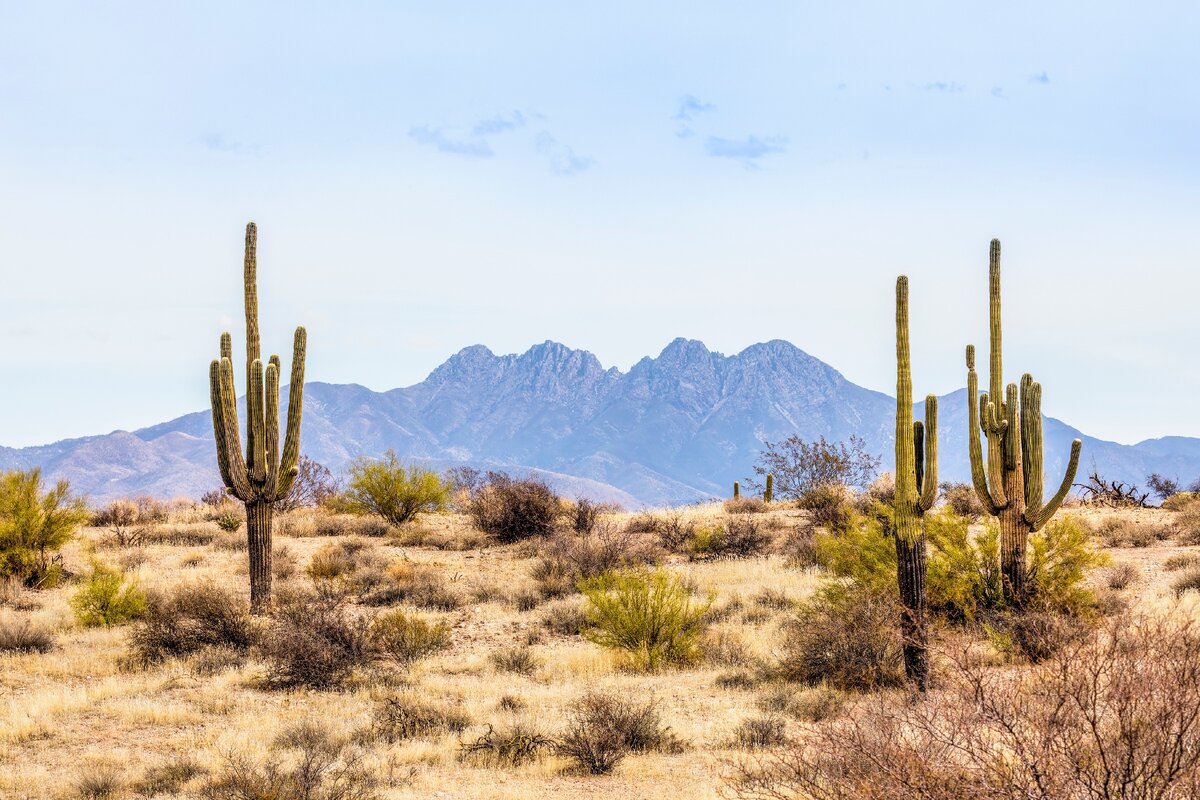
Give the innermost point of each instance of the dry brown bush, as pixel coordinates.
(21, 635)
(602, 728)
(1115, 715)
(747, 505)
(407, 716)
(565, 559)
(188, 619)
(512, 510)
(313, 640)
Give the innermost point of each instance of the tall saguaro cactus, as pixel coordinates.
(265, 474)
(916, 492)
(1010, 482)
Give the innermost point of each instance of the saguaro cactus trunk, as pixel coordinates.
(916, 492)
(265, 474)
(1010, 482)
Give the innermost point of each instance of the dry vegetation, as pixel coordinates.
(441, 660)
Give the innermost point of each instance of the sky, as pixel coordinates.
(428, 176)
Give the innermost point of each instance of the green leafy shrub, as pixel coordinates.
(734, 537)
(405, 638)
(394, 491)
(861, 551)
(34, 524)
(107, 598)
(650, 616)
(964, 575)
(1060, 558)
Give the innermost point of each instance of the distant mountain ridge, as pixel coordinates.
(673, 429)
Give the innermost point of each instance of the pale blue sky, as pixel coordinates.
(429, 176)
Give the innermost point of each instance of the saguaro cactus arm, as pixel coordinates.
(928, 482)
(290, 459)
(1037, 514)
(975, 445)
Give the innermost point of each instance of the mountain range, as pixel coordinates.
(673, 429)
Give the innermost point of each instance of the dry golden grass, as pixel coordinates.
(79, 708)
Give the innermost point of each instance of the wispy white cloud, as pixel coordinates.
(563, 160)
(500, 123)
(1040, 77)
(998, 93)
(215, 141)
(944, 86)
(690, 106)
(435, 138)
(749, 150)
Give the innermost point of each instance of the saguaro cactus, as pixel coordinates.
(737, 490)
(769, 491)
(265, 474)
(1010, 485)
(916, 492)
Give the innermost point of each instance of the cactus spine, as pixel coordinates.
(265, 474)
(737, 490)
(1010, 482)
(916, 492)
(769, 491)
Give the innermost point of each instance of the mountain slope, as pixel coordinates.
(675, 428)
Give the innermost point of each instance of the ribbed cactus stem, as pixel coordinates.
(916, 492)
(737, 490)
(769, 491)
(265, 473)
(1012, 486)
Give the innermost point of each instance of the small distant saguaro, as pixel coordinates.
(266, 472)
(769, 491)
(1010, 482)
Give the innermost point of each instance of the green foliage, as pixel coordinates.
(35, 523)
(964, 574)
(107, 598)
(394, 491)
(860, 551)
(649, 615)
(1061, 555)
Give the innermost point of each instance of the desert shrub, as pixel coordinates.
(1121, 532)
(1187, 524)
(800, 547)
(650, 616)
(964, 577)
(746, 505)
(283, 562)
(229, 521)
(513, 509)
(845, 636)
(517, 659)
(1187, 582)
(860, 551)
(759, 733)
(1179, 501)
(565, 617)
(828, 505)
(583, 515)
(107, 597)
(34, 523)
(962, 499)
(423, 586)
(603, 727)
(313, 486)
(181, 535)
(188, 619)
(21, 635)
(98, 781)
(124, 522)
(304, 762)
(1121, 576)
(736, 679)
(393, 491)
(800, 466)
(1060, 558)
(566, 559)
(1113, 715)
(404, 638)
(1180, 561)
(406, 716)
(734, 537)
(726, 648)
(1031, 635)
(518, 744)
(675, 531)
(167, 778)
(313, 640)
(817, 704)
